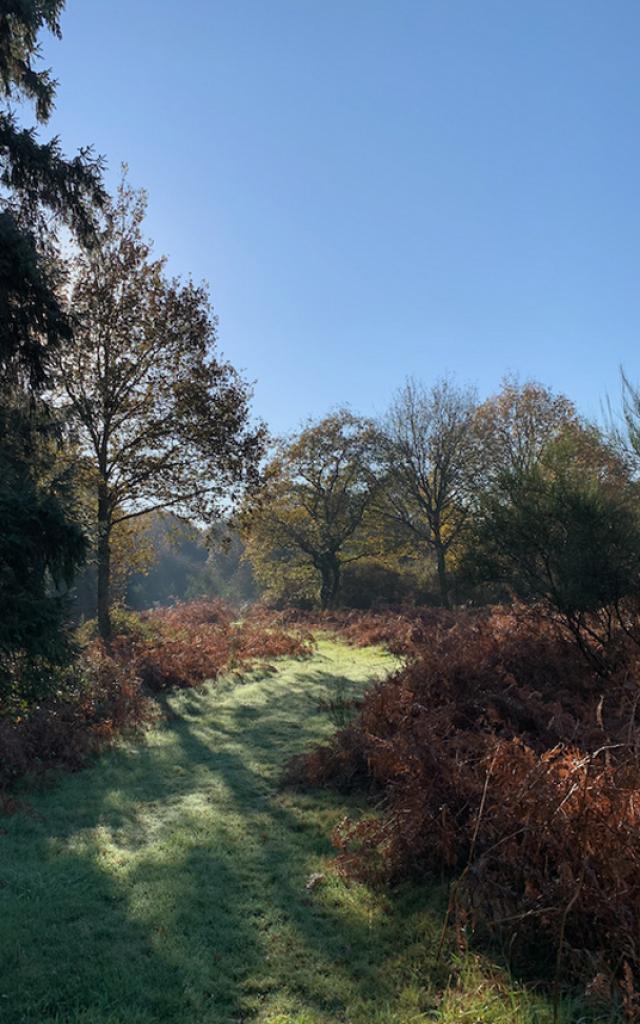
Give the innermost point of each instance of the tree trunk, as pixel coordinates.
(335, 584)
(443, 579)
(330, 569)
(104, 567)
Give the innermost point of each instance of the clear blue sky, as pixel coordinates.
(377, 188)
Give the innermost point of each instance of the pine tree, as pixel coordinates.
(40, 542)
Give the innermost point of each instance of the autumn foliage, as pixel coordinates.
(107, 692)
(505, 760)
(185, 645)
(99, 698)
(399, 630)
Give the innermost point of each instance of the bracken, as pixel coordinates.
(506, 760)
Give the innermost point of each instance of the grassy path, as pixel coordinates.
(167, 883)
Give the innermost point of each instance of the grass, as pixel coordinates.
(168, 883)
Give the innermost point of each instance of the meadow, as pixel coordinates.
(177, 879)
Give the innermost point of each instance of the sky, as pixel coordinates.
(377, 189)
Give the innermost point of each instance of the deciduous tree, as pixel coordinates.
(431, 464)
(163, 421)
(309, 520)
(516, 425)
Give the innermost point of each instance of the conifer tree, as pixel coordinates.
(41, 541)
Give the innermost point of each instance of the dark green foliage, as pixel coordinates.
(564, 539)
(21, 21)
(36, 174)
(41, 545)
(37, 182)
(31, 320)
(372, 584)
(565, 531)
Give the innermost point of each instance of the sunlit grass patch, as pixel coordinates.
(170, 882)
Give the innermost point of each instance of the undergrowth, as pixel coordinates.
(176, 881)
(96, 700)
(107, 691)
(504, 760)
(188, 643)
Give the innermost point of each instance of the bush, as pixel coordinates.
(564, 532)
(190, 643)
(502, 759)
(373, 584)
(104, 693)
(96, 700)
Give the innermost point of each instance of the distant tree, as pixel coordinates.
(162, 420)
(41, 543)
(309, 520)
(186, 563)
(517, 424)
(564, 530)
(431, 463)
(176, 555)
(228, 573)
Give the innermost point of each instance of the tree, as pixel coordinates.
(37, 182)
(161, 419)
(431, 461)
(309, 519)
(517, 424)
(41, 543)
(41, 546)
(565, 531)
(188, 563)
(625, 438)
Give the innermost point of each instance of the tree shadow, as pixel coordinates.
(169, 882)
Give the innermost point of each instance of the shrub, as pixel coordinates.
(189, 643)
(103, 693)
(96, 700)
(564, 532)
(502, 759)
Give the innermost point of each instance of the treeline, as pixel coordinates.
(449, 500)
(173, 561)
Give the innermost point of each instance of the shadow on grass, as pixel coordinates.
(169, 882)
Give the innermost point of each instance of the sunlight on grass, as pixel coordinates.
(168, 882)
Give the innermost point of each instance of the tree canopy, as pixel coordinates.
(431, 460)
(37, 183)
(310, 514)
(42, 543)
(163, 422)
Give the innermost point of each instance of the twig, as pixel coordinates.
(453, 892)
